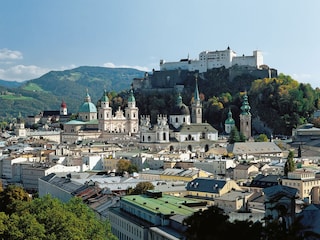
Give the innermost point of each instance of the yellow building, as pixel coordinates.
(208, 188)
(110, 164)
(173, 174)
(305, 182)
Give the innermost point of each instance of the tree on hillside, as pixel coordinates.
(49, 218)
(283, 103)
(12, 198)
(290, 165)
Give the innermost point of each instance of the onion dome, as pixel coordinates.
(131, 96)
(245, 108)
(230, 120)
(104, 98)
(63, 104)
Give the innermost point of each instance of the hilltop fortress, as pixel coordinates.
(173, 74)
(215, 59)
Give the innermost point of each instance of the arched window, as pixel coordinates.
(164, 136)
(176, 119)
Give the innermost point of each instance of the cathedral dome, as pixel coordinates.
(87, 106)
(180, 108)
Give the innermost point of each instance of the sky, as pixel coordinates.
(37, 36)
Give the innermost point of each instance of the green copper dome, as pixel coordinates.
(87, 106)
(180, 108)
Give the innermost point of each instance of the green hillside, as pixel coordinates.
(47, 91)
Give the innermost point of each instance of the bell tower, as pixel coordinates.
(245, 117)
(196, 108)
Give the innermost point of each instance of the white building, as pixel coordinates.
(93, 123)
(214, 59)
(126, 121)
(216, 166)
(159, 133)
(184, 126)
(9, 170)
(31, 173)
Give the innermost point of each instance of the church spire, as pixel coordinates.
(196, 92)
(196, 114)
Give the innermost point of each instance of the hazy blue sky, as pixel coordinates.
(37, 36)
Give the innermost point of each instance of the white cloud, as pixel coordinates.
(111, 65)
(22, 72)
(6, 54)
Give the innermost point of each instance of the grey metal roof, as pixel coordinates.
(253, 148)
(206, 185)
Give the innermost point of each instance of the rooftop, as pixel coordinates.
(166, 204)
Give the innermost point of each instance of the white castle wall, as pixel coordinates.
(214, 59)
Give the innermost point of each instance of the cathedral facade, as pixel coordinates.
(100, 121)
(125, 122)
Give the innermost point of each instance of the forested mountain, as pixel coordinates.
(10, 84)
(47, 92)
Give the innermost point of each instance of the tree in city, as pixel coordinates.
(236, 136)
(213, 223)
(261, 138)
(125, 165)
(141, 188)
(290, 165)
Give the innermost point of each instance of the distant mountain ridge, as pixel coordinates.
(47, 91)
(10, 84)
